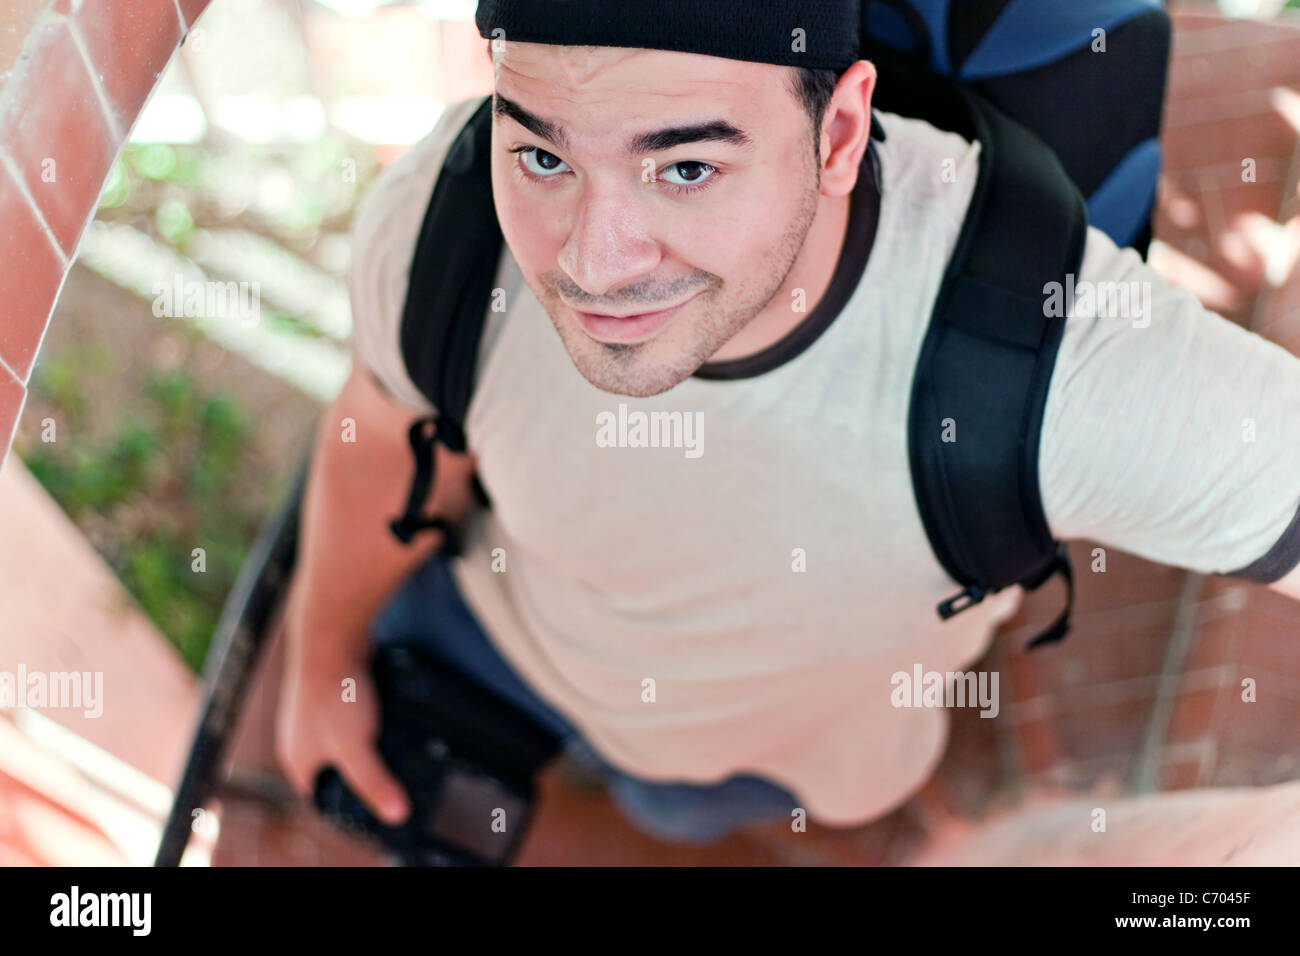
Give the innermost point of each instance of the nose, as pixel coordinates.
(610, 244)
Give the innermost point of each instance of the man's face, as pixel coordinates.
(655, 201)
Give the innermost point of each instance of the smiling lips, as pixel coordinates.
(626, 328)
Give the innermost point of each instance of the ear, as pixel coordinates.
(846, 129)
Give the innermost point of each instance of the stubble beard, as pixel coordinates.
(629, 370)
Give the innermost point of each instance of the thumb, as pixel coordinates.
(371, 780)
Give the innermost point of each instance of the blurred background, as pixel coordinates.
(246, 166)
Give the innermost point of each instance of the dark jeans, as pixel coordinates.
(428, 609)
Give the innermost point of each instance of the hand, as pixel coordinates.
(316, 727)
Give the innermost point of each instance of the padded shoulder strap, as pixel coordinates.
(455, 261)
(450, 286)
(986, 362)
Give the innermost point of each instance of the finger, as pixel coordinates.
(375, 785)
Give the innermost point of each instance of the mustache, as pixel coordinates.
(647, 293)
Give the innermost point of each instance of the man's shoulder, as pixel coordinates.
(913, 133)
(406, 184)
(931, 171)
(384, 234)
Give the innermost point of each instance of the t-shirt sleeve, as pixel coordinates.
(384, 234)
(1169, 431)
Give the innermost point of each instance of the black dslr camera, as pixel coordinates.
(466, 758)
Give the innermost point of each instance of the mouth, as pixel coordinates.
(627, 329)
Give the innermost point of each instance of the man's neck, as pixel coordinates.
(812, 272)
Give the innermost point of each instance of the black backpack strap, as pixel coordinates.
(423, 436)
(987, 358)
(456, 258)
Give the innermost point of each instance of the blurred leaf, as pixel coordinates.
(117, 189)
(174, 222)
(155, 160)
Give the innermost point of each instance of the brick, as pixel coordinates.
(1023, 677)
(1038, 745)
(1263, 137)
(1275, 605)
(1244, 767)
(1206, 112)
(57, 118)
(972, 772)
(129, 45)
(29, 280)
(12, 397)
(1217, 641)
(1270, 643)
(1120, 628)
(1192, 718)
(1280, 318)
(1267, 725)
(1189, 23)
(1221, 241)
(1112, 724)
(1128, 580)
(1179, 773)
(1285, 331)
(1266, 60)
(19, 18)
(1225, 206)
(1084, 776)
(190, 9)
(1100, 659)
(1196, 35)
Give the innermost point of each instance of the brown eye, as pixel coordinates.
(690, 172)
(541, 163)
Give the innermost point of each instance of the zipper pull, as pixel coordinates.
(972, 592)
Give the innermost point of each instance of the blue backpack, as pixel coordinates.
(1066, 102)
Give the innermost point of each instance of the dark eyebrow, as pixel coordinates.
(548, 131)
(718, 131)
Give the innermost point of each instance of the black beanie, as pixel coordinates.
(817, 34)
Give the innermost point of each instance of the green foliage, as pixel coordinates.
(174, 222)
(118, 188)
(155, 160)
(166, 481)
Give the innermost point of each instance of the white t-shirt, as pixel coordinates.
(650, 594)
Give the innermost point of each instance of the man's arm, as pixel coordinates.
(349, 562)
(349, 565)
(1170, 432)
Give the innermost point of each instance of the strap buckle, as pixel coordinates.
(424, 434)
(1056, 631)
(973, 594)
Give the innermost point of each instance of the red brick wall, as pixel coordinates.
(75, 75)
(1118, 700)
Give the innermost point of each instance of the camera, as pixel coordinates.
(466, 758)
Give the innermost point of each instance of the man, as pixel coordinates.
(717, 615)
